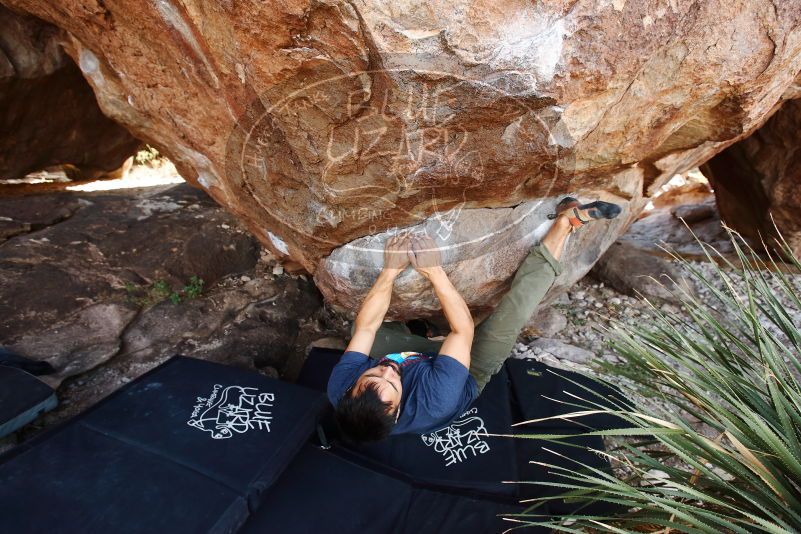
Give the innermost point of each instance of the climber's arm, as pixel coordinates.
(425, 258)
(376, 303)
(460, 340)
(372, 312)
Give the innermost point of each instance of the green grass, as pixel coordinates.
(160, 290)
(194, 288)
(737, 373)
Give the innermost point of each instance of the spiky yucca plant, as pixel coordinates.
(731, 363)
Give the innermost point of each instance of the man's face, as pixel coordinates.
(386, 378)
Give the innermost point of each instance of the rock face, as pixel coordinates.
(325, 125)
(760, 177)
(663, 230)
(48, 112)
(85, 284)
(84, 249)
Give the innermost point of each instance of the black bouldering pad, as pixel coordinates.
(189, 447)
(317, 368)
(542, 392)
(23, 397)
(34, 367)
(324, 492)
(472, 462)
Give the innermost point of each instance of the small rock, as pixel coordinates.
(278, 270)
(669, 309)
(692, 213)
(244, 278)
(614, 301)
(562, 350)
(547, 359)
(654, 477)
(562, 299)
(546, 323)
(270, 372)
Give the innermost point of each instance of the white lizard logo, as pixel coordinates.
(234, 409)
(460, 440)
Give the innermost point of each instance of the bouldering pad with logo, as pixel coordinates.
(188, 447)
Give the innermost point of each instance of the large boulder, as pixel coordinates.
(324, 125)
(48, 112)
(757, 181)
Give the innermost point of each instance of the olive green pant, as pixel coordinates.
(497, 335)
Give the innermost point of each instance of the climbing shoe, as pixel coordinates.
(577, 213)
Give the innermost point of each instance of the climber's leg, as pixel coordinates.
(496, 336)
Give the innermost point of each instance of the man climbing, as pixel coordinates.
(390, 381)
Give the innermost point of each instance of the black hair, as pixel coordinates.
(365, 417)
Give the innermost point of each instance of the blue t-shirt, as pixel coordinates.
(436, 388)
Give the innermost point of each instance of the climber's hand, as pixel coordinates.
(425, 256)
(396, 255)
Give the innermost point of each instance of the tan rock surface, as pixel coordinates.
(324, 125)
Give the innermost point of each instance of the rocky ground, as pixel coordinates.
(583, 314)
(639, 266)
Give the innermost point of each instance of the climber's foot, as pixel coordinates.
(601, 210)
(580, 214)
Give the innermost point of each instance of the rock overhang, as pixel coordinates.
(429, 109)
